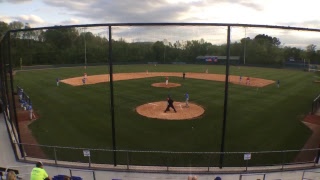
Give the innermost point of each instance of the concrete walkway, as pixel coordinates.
(7, 160)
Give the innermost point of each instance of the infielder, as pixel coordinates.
(85, 76)
(83, 81)
(170, 105)
(187, 99)
(248, 81)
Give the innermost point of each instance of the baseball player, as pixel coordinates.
(187, 99)
(240, 79)
(183, 75)
(248, 81)
(167, 80)
(85, 76)
(83, 81)
(170, 105)
(278, 83)
(58, 81)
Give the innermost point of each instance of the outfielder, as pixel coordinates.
(58, 81)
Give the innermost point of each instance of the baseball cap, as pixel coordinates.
(39, 164)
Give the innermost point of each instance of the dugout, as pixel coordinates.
(217, 60)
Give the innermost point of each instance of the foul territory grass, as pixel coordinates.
(258, 119)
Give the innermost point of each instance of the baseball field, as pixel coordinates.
(259, 118)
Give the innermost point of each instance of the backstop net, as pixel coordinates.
(161, 94)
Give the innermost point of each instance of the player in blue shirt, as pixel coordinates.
(187, 99)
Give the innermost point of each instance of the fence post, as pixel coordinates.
(247, 165)
(94, 175)
(127, 160)
(209, 162)
(55, 155)
(283, 159)
(90, 161)
(167, 163)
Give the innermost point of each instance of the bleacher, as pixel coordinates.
(65, 177)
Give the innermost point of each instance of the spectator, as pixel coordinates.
(192, 178)
(38, 173)
(217, 178)
(66, 178)
(11, 175)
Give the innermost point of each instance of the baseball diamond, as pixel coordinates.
(252, 114)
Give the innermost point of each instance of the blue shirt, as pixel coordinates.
(187, 96)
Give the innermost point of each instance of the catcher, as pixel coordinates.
(170, 105)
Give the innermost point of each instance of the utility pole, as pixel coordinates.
(245, 45)
(85, 49)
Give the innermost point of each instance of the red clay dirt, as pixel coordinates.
(94, 79)
(164, 85)
(313, 123)
(156, 110)
(25, 133)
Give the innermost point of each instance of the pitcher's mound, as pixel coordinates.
(169, 85)
(156, 110)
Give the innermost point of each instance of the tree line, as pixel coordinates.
(71, 46)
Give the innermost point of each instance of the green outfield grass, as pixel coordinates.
(258, 119)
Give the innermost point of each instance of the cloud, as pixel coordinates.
(31, 19)
(15, 1)
(251, 4)
(124, 10)
(70, 21)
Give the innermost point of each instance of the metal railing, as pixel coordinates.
(169, 161)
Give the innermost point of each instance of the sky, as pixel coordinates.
(41, 13)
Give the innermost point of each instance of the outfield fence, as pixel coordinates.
(103, 114)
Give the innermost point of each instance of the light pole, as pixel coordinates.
(85, 49)
(245, 44)
(165, 42)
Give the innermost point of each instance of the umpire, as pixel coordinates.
(170, 105)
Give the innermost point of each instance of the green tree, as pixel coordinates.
(3, 29)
